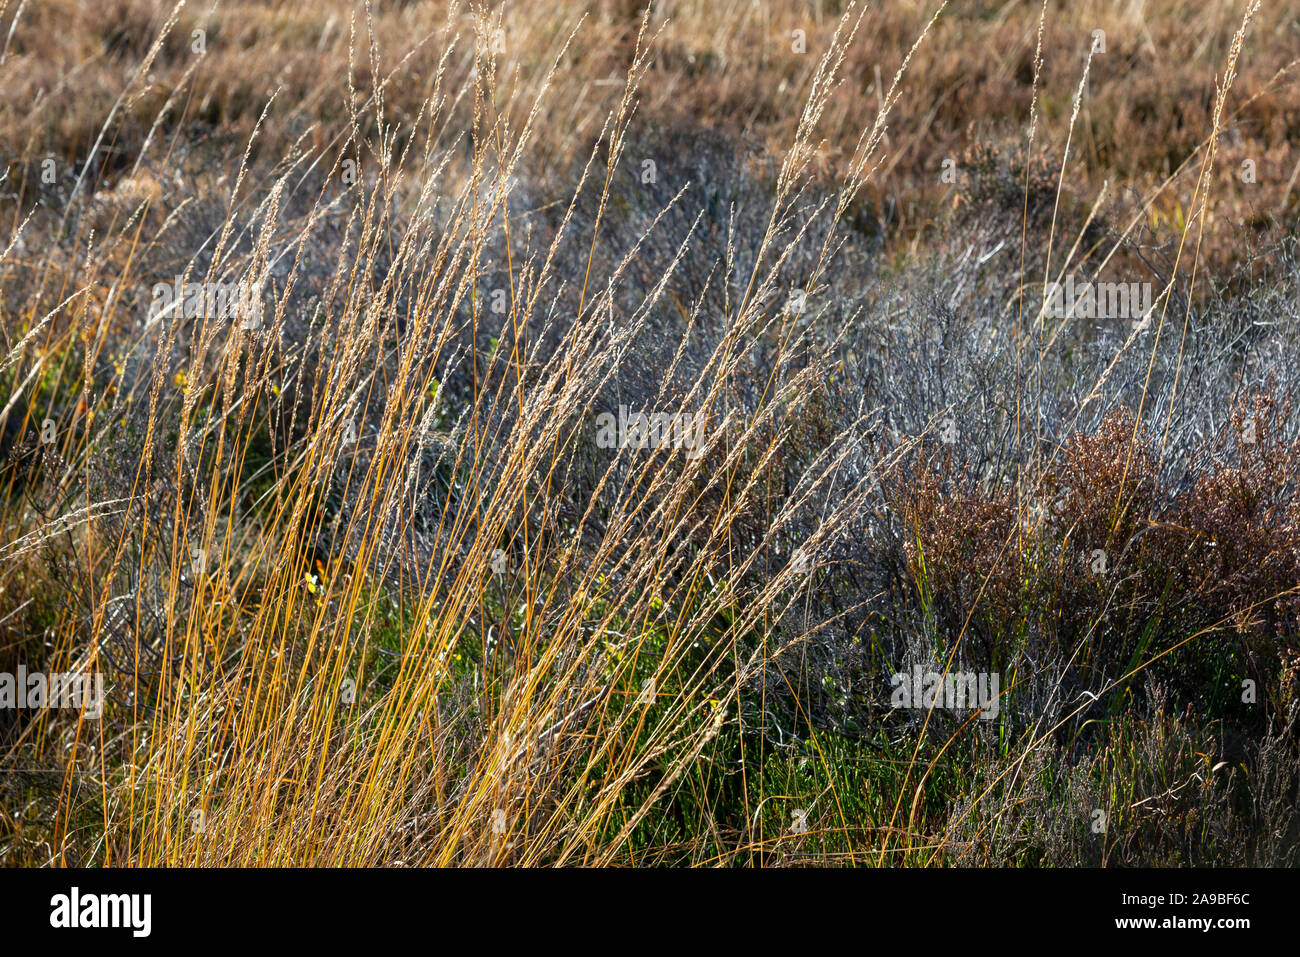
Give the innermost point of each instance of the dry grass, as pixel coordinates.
(364, 586)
